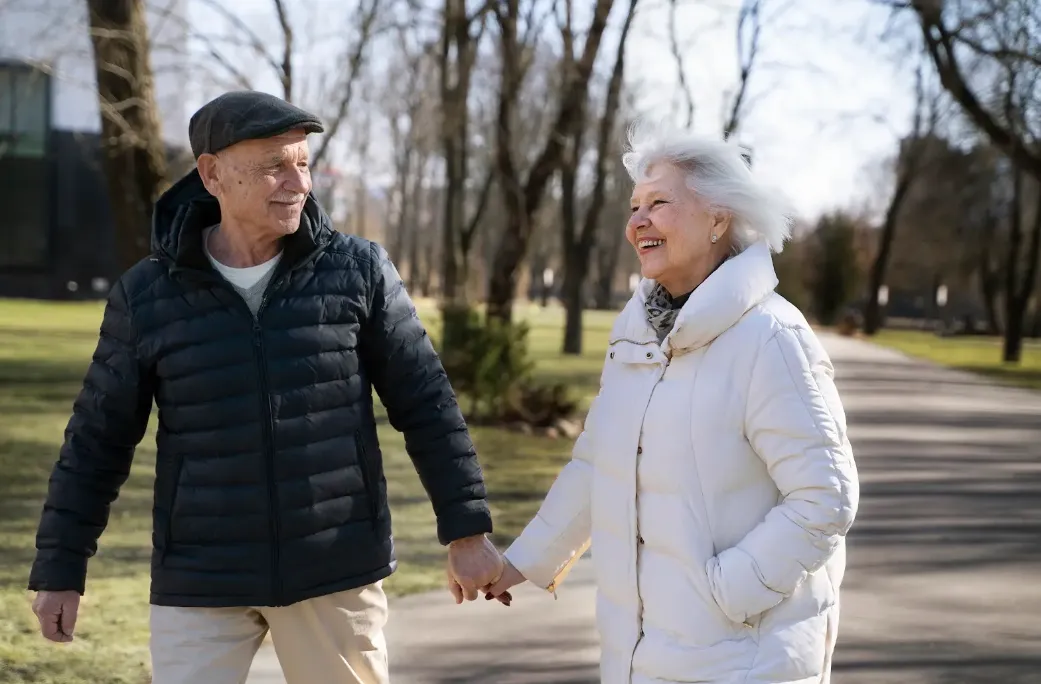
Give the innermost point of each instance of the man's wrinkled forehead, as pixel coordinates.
(290, 145)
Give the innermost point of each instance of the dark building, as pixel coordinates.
(56, 233)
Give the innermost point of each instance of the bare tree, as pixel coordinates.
(999, 94)
(907, 167)
(355, 54)
(459, 46)
(578, 245)
(523, 193)
(1004, 35)
(403, 101)
(365, 27)
(749, 30)
(282, 65)
(747, 37)
(132, 150)
(681, 70)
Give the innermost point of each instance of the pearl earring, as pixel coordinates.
(714, 239)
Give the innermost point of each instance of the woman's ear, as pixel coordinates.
(720, 223)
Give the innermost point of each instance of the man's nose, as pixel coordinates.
(298, 181)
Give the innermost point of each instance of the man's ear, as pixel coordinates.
(209, 172)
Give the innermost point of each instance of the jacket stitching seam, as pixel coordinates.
(829, 449)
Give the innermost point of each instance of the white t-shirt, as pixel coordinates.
(241, 278)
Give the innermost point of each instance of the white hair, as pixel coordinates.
(720, 174)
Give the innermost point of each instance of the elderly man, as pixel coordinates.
(260, 332)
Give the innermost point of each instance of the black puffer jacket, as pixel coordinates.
(269, 480)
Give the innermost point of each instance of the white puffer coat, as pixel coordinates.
(716, 484)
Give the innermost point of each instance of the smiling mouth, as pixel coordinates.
(647, 245)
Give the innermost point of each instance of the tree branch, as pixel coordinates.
(252, 39)
(355, 61)
(607, 127)
(940, 45)
(286, 75)
(681, 71)
(750, 14)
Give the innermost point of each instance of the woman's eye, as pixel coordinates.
(657, 202)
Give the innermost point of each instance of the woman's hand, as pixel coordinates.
(511, 577)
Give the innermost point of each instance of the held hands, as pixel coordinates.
(475, 565)
(56, 611)
(511, 577)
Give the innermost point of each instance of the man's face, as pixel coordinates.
(261, 184)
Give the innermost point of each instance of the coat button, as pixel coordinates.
(612, 355)
(639, 450)
(650, 355)
(640, 539)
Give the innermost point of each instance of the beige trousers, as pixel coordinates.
(334, 639)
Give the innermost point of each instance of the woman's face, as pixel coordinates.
(671, 230)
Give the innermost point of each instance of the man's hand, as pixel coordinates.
(56, 611)
(473, 563)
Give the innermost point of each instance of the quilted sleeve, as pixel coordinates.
(411, 382)
(795, 422)
(109, 419)
(559, 533)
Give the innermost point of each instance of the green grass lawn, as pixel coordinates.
(44, 351)
(976, 354)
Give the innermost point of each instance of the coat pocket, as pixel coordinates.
(167, 516)
(369, 478)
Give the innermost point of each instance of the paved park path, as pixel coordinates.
(944, 577)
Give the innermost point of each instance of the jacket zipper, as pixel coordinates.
(274, 521)
(662, 367)
(266, 418)
(367, 480)
(265, 401)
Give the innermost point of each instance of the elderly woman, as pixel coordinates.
(714, 478)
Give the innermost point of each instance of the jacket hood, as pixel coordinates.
(187, 208)
(734, 288)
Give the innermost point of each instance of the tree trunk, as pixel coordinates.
(873, 310)
(1019, 290)
(133, 154)
(1012, 348)
(521, 197)
(502, 285)
(458, 53)
(453, 209)
(575, 271)
(403, 228)
(989, 287)
(607, 269)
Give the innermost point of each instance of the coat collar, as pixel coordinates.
(717, 304)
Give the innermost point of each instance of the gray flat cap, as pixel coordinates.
(245, 115)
